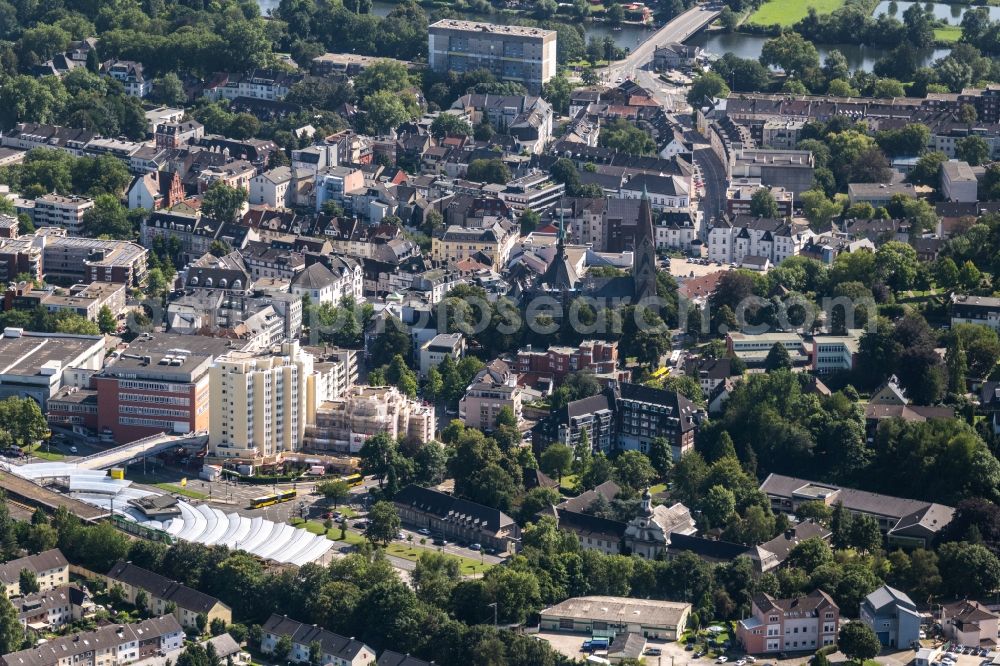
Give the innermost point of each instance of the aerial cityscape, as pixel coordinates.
(499, 333)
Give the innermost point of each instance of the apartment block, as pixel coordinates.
(804, 623)
(343, 424)
(739, 196)
(597, 356)
(984, 310)
(492, 389)
(54, 210)
(435, 350)
(260, 404)
(519, 54)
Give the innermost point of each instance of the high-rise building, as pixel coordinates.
(260, 404)
(512, 53)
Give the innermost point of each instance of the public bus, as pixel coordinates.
(268, 500)
(353, 479)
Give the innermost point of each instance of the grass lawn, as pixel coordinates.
(951, 33)
(467, 565)
(333, 534)
(568, 482)
(180, 490)
(658, 488)
(788, 12)
(52, 456)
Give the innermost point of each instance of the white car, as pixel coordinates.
(721, 660)
(751, 659)
(741, 662)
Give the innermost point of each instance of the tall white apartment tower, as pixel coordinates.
(260, 405)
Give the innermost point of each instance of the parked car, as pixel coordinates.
(424, 531)
(440, 541)
(722, 659)
(654, 651)
(476, 546)
(699, 654)
(751, 659)
(72, 449)
(741, 662)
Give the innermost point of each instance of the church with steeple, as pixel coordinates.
(562, 277)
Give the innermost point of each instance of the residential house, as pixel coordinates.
(27, 136)
(969, 622)
(526, 118)
(893, 617)
(734, 240)
(161, 592)
(710, 372)
(45, 611)
(492, 237)
(455, 518)
(329, 284)
(906, 523)
(130, 75)
(799, 624)
(156, 190)
(178, 134)
(335, 183)
(645, 414)
(266, 84)
(597, 356)
(49, 566)
(739, 197)
(890, 402)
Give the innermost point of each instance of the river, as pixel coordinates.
(750, 46)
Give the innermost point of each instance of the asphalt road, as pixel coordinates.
(678, 30)
(714, 176)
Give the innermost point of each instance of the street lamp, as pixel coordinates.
(494, 606)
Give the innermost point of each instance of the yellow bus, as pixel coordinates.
(268, 500)
(353, 479)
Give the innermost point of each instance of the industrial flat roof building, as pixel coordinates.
(35, 365)
(610, 616)
(520, 54)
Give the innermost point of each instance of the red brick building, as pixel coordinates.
(805, 623)
(160, 384)
(595, 356)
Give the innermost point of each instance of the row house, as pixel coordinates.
(45, 611)
(731, 241)
(526, 118)
(335, 649)
(967, 309)
(110, 645)
(161, 592)
(236, 174)
(28, 136)
(155, 191)
(50, 568)
(193, 232)
(274, 188)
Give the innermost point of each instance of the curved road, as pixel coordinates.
(678, 30)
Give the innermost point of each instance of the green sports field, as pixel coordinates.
(789, 12)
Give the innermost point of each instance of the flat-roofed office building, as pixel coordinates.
(512, 53)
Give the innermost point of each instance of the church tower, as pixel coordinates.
(644, 257)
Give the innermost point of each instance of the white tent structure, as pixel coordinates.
(199, 523)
